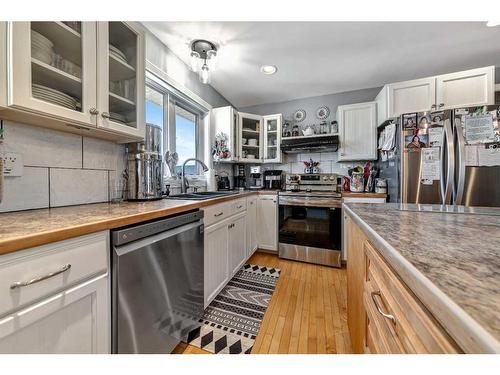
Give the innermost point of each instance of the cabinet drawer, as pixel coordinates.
(70, 261)
(214, 214)
(415, 328)
(238, 206)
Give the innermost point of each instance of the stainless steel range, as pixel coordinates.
(310, 219)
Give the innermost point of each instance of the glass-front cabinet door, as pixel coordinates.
(272, 138)
(250, 138)
(121, 78)
(52, 69)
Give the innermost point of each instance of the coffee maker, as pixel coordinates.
(255, 178)
(273, 179)
(240, 180)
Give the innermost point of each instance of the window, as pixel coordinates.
(179, 117)
(185, 138)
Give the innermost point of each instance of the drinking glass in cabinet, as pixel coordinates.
(56, 63)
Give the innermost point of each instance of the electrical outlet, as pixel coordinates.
(12, 164)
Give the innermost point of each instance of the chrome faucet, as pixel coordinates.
(184, 182)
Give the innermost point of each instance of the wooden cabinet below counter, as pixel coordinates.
(383, 315)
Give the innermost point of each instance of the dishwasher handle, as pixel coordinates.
(132, 246)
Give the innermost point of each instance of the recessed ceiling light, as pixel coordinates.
(268, 69)
(492, 23)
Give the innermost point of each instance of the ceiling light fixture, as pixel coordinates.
(268, 69)
(203, 57)
(492, 23)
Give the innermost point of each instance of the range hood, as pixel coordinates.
(314, 143)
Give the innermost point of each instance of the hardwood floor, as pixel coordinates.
(307, 313)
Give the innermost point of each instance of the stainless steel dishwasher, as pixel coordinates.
(157, 283)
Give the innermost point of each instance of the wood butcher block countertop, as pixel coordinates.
(25, 229)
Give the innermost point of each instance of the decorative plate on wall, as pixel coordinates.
(322, 112)
(299, 115)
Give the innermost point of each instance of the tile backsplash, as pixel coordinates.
(60, 169)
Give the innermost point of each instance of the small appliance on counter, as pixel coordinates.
(223, 182)
(273, 179)
(255, 178)
(240, 179)
(145, 166)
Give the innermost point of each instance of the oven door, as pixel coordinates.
(310, 229)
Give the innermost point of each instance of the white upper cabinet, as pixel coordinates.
(3, 64)
(88, 75)
(250, 138)
(224, 122)
(411, 96)
(474, 87)
(52, 69)
(121, 78)
(272, 138)
(468, 88)
(357, 131)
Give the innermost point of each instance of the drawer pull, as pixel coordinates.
(239, 207)
(35, 280)
(381, 312)
(219, 214)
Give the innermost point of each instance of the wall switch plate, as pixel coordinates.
(12, 164)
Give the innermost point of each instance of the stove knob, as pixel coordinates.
(332, 178)
(325, 178)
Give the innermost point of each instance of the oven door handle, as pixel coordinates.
(310, 202)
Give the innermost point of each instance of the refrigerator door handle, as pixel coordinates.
(442, 181)
(458, 188)
(447, 151)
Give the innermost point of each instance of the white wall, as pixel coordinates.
(60, 169)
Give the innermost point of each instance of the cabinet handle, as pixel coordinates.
(105, 115)
(93, 111)
(433, 106)
(219, 214)
(441, 105)
(239, 207)
(35, 280)
(381, 312)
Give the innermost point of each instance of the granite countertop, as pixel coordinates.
(363, 195)
(450, 261)
(25, 229)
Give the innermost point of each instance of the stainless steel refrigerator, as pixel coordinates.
(435, 163)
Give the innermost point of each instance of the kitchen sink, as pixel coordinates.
(201, 195)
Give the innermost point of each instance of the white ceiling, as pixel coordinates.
(317, 58)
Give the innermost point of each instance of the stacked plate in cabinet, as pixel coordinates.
(116, 53)
(53, 96)
(41, 47)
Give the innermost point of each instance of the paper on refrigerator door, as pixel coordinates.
(435, 136)
(479, 128)
(431, 167)
(488, 157)
(471, 159)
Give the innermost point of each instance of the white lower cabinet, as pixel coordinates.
(216, 265)
(74, 321)
(55, 298)
(237, 243)
(226, 243)
(267, 222)
(251, 225)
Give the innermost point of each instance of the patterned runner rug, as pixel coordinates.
(231, 322)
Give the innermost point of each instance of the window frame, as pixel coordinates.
(173, 97)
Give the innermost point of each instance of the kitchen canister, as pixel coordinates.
(381, 185)
(357, 182)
